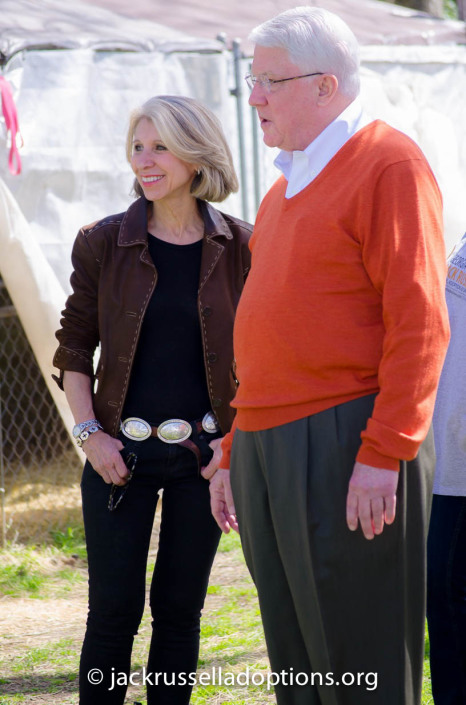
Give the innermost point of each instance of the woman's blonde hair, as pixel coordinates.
(193, 134)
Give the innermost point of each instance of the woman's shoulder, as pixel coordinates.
(95, 239)
(225, 223)
(243, 225)
(111, 223)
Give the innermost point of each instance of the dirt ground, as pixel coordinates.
(32, 624)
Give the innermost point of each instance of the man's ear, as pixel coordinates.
(328, 89)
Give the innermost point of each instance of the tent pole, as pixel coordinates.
(238, 93)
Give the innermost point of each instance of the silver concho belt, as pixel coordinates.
(170, 431)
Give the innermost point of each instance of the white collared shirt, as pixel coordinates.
(300, 168)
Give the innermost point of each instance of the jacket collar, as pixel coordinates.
(133, 229)
(214, 222)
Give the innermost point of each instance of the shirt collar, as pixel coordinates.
(300, 166)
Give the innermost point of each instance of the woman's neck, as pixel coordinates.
(181, 225)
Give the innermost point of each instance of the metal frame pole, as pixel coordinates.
(238, 93)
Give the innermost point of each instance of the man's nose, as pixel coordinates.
(258, 95)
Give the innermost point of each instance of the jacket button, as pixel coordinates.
(207, 311)
(216, 403)
(212, 357)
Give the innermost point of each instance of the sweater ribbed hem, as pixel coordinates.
(255, 419)
(260, 419)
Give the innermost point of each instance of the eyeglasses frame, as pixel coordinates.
(267, 82)
(130, 463)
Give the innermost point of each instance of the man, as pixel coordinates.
(339, 340)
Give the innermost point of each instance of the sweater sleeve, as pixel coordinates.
(227, 443)
(404, 256)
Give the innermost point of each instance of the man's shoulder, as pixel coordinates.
(388, 142)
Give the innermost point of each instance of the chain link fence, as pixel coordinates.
(39, 468)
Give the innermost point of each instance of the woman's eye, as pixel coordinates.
(160, 148)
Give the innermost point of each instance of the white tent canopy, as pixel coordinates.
(74, 88)
(76, 72)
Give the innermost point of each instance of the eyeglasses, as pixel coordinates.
(114, 500)
(266, 83)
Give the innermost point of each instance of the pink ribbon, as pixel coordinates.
(11, 122)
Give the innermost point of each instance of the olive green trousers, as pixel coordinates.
(343, 616)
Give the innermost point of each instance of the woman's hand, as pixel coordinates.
(209, 471)
(103, 453)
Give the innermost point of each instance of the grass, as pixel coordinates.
(42, 667)
(59, 653)
(71, 541)
(36, 571)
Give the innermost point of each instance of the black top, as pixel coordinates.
(168, 378)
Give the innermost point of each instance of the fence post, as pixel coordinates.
(2, 475)
(462, 10)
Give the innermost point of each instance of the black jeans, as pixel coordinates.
(446, 599)
(118, 544)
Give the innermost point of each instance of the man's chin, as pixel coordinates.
(270, 140)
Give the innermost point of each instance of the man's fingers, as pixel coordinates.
(377, 511)
(371, 499)
(233, 522)
(221, 501)
(390, 509)
(229, 500)
(365, 517)
(372, 515)
(352, 511)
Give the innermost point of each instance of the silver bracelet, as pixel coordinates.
(81, 426)
(84, 435)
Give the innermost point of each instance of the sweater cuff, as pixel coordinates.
(226, 451)
(383, 446)
(369, 456)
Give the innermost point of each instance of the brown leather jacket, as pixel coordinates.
(113, 280)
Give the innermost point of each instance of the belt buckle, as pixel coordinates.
(136, 429)
(209, 423)
(174, 431)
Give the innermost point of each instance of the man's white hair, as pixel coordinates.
(316, 40)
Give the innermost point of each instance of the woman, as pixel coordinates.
(157, 287)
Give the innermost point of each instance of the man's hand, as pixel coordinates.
(209, 470)
(103, 453)
(221, 501)
(371, 499)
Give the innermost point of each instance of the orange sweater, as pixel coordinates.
(346, 297)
